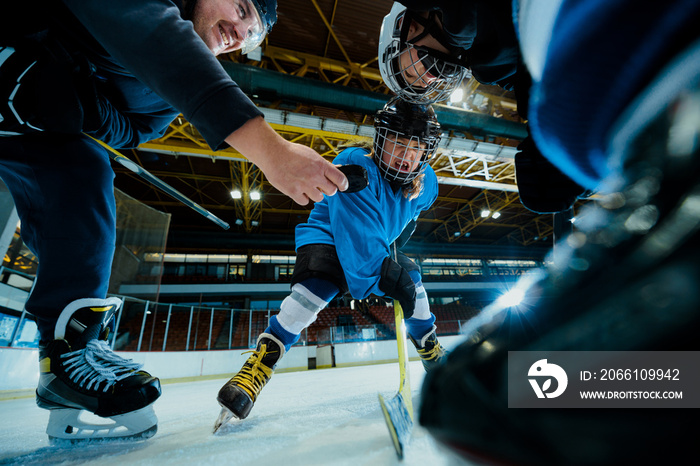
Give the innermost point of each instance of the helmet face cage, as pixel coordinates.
(405, 133)
(434, 82)
(398, 63)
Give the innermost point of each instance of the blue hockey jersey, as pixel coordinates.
(363, 225)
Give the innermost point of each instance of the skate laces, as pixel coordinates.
(254, 374)
(97, 363)
(428, 353)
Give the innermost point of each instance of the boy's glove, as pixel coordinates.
(396, 283)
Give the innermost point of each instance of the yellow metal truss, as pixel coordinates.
(494, 173)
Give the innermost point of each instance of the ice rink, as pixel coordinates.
(318, 417)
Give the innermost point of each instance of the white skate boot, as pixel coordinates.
(79, 371)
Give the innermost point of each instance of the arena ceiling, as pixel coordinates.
(318, 83)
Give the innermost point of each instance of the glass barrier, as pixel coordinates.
(148, 326)
(8, 324)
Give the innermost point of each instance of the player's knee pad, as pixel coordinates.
(319, 261)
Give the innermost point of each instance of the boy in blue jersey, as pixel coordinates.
(345, 247)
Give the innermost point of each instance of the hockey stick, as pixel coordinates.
(398, 411)
(160, 184)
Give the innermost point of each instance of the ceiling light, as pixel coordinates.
(239, 221)
(496, 215)
(485, 213)
(254, 195)
(236, 194)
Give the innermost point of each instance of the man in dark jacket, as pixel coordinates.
(119, 72)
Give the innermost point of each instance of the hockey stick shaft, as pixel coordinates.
(398, 411)
(405, 381)
(160, 184)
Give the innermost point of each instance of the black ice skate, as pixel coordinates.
(429, 349)
(238, 395)
(79, 371)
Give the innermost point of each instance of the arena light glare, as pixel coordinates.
(485, 213)
(511, 298)
(515, 296)
(254, 195)
(457, 95)
(236, 194)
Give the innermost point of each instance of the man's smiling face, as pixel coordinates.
(224, 24)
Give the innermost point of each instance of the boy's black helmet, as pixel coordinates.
(413, 123)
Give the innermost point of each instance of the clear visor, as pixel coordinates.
(255, 27)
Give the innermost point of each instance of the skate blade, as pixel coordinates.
(75, 426)
(64, 441)
(224, 416)
(398, 421)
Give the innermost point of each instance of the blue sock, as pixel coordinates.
(321, 288)
(418, 328)
(415, 276)
(287, 338)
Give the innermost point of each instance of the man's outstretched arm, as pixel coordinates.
(296, 170)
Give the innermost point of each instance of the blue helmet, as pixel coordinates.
(266, 15)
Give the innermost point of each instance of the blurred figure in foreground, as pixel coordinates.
(615, 104)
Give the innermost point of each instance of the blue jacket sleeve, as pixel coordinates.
(151, 40)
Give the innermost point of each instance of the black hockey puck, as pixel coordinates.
(357, 177)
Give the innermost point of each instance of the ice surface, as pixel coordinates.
(318, 417)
